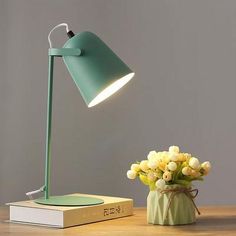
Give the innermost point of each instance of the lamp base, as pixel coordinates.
(69, 200)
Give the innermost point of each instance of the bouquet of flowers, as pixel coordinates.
(169, 175)
(169, 167)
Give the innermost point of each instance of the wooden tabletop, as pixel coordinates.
(212, 221)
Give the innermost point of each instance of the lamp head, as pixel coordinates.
(98, 72)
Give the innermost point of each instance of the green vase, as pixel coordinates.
(180, 211)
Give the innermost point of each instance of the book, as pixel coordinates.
(29, 212)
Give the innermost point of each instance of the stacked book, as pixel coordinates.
(54, 216)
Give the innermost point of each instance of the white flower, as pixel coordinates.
(131, 174)
(164, 153)
(166, 158)
(186, 171)
(167, 176)
(194, 163)
(151, 155)
(153, 163)
(159, 155)
(174, 149)
(143, 165)
(160, 184)
(173, 156)
(206, 166)
(172, 166)
(135, 167)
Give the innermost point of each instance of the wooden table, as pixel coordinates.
(213, 221)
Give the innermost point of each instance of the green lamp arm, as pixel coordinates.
(49, 127)
(59, 52)
(53, 52)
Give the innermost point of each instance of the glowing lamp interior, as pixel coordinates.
(111, 89)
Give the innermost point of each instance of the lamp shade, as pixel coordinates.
(98, 72)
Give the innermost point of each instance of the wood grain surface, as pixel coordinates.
(219, 220)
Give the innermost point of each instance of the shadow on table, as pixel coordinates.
(211, 223)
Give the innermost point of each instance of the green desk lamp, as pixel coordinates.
(98, 73)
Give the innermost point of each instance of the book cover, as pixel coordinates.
(62, 217)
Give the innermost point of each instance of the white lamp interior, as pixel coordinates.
(111, 89)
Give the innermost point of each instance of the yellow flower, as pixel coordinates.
(143, 165)
(159, 155)
(162, 154)
(151, 176)
(195, 173)
(182, 157)
(205, 172)
(135, 167)
(162, 166)
(187, 156)
(186, 170)
(167, 176)
(168, 167)
(174, 156)
(174, 149)
(206, 166)
(166, 159)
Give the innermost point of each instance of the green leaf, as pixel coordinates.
(144, 179)
(183, 182)
(159, 173)
(179, 171)
(187, 178)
